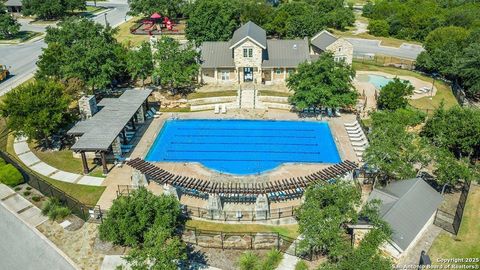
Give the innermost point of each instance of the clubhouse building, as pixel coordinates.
(250, 57)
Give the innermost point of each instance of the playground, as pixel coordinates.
(157, 24)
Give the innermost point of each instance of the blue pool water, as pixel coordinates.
(244, 146)
(378, 81)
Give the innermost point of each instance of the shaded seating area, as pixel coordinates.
(284, 189)
(110, 126)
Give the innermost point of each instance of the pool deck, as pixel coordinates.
(122, 175)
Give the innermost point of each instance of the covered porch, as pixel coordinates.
(276, 75)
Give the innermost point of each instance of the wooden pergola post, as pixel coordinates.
(84, 162)
(104, 163)
(146, 105)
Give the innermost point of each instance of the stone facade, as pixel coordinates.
(342, 49)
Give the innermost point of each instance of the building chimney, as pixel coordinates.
(87, 106)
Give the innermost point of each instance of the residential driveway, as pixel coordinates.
(22, 247)
(367, 46)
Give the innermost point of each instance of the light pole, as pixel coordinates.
(106, 22)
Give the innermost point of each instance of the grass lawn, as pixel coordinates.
(285, 230)
(177, 110)
(124, 36)
(273, 93)
(467, 243)
(444, 92)
(226, 93)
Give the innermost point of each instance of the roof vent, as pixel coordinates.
(294, 46)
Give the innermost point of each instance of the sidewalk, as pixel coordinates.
(34, 163)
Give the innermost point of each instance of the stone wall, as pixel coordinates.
(342, 48)
(230, 105)
(204, 101)
(234, 240)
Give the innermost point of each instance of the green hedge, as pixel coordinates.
(9, 175)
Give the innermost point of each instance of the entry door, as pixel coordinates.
(247, 74)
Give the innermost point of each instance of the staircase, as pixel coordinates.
(247, 97)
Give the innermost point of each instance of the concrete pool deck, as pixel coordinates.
(122, 175)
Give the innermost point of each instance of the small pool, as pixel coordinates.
(377, 80)
(244, 146)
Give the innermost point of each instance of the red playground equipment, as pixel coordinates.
(155, 24)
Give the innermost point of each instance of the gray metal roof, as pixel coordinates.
(286, 53)
(216, 54)
(323, 39)
(407, 205)
(252, 31)
(98, 132)
(13, 3)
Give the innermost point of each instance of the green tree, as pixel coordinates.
(257, 11)
(212, 20)
(140, 62)
(131, 218)
(9, 27)
(82, 49)
(324, 82)
(51, 9)
(394, 95)
(160, 251)
(169, 8)
(176, 66)
(321, 216)
(395, 152)
(467, 68)
(36, 110)
(378, 28)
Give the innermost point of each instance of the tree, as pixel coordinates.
(36, 110)
(393, 151)
(257, 11)
(294, 20)
(9, 27)
(130, 218)
(378, 28)
(467, 68)
(324, 82)
(165, 7)
(160, 251)
(82, 49)
(455, 129)
(51, 9)
(212, 20)
(394, 95)
(140, 62)
(321, 216)
(176, 67)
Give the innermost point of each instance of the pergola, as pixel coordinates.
(97, 133)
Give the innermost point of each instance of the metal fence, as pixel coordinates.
(240, 215)
(385, 61)
(246, 241)
(451, 222)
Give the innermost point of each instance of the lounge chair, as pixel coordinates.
(358, 139)
(154, 111)
(364, 143)
(148, 115)
(217, 108)
(359, 149)
(354, 132)
(352, 124)
(329, 112)
(359, 154)
(224, 108)
(353, 128)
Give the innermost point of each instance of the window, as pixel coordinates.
(278, 71)
(225, 75)
(247, 52)
(289, 71)
(340, 58)
(340, 49)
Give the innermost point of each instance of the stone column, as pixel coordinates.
(171, 190)
(140, 115)
(285, 74)
(214, 206)
(216, 75)
(116, 146)
(271, 75)
(139, 179)
(262, 207)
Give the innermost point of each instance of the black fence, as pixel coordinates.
(246, 241)
(451, 222)
(385, 61)
(240, 215)
(36, 181)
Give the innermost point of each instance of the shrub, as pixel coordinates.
(10, 176)
(28, 188)
(54, 209)
(18, 188)
(36, 198)
(271, 261)
(301, 265)
(248, 261)
(27, 193)
(378, 28)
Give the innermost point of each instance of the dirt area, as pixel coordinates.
(223, 259)
(80, 242)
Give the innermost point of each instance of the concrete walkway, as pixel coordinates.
(34, 163)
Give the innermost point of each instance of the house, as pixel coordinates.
(409, 207)
(14, 6)
(250, 57)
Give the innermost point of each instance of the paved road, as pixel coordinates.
(22, 247)
(21, 59)
(363, 46)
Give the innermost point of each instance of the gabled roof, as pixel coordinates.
(407, 205)
(13, 3)
(323, 39)
(216, 54)
(249, 31)
(286, 53)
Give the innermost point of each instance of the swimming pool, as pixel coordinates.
(377, 80)
(243, 146)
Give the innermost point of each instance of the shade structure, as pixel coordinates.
(155, 16)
